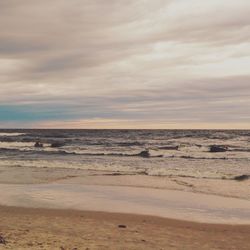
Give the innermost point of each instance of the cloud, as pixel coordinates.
(168, 59)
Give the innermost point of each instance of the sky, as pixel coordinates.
(125, 64)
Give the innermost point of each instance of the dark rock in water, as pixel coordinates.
(144, 153)
(122, 226)
(242, 177)
(2, 240)
(57, 144)
(38, 144)
(217, 149)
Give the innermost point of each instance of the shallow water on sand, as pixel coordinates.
(164, 203)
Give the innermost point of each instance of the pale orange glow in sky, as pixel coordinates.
(133, 124)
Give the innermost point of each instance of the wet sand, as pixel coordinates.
(121, 199)
(42, 208)
(27, 228)
(38, 175)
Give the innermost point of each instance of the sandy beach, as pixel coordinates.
(26, 228)
(42, 210)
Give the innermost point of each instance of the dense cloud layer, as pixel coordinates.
(81, 62)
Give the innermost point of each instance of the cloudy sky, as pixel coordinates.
(125, 63)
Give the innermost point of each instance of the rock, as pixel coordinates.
(144, 153)
(2, 240)
(38, 145)
(242, 177)
(122, 226)
(217, 149)
(57, 144)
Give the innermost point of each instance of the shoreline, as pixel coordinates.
(60, 175)
(132, 200)
(36, 228)
(157, 212)
(101, 214)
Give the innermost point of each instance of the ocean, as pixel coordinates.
(185, 153)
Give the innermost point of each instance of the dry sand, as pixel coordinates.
(27, 228)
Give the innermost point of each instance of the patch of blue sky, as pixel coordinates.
(26, 113)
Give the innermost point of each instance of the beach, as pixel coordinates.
(26, 228)
(96, 190)
(72, 213)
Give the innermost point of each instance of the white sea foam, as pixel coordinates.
(11, 134)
